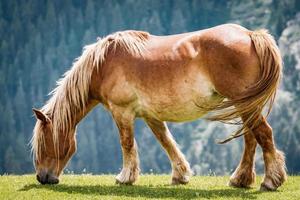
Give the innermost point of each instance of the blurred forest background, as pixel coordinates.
(39, 39)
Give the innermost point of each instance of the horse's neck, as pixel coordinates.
(77, 114)
(90, 105)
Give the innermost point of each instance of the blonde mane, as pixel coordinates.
(72, 91)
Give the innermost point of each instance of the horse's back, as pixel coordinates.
(225, 54)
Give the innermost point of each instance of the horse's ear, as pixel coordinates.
(40, 116)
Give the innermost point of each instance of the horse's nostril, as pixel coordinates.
(42, 177)
(47, 178)
(41, 180)
(38, 178)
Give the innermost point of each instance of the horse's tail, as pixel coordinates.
(251, 103)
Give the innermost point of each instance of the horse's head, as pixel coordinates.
(51, 151)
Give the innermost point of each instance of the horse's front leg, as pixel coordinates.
(244, 175)
(180, 167)
(125, 122)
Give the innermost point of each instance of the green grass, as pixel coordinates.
(147, 187)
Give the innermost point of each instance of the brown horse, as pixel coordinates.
(227, 71)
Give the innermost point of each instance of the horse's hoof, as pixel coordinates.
(264, 187)
(127, 176)
(119, 182)
(233, 184)
(237, 185)
(122, 183)
(180, 181)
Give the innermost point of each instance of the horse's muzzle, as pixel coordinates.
(46, 178)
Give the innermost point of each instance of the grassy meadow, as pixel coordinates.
(147, 187)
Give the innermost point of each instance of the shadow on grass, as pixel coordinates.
(154, 192)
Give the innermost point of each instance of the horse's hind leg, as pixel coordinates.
(275, 173)
(125, 122)
(244, 175)
(180, 167)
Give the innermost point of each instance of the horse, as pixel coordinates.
(225, 73)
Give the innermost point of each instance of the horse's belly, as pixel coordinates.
(185, 112)
(181, 109)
